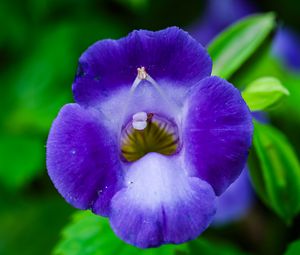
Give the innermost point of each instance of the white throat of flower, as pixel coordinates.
(148, 131)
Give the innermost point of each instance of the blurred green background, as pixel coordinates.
(40, 43)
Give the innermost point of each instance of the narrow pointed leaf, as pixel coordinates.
(277, 176)
(237, 43)
(293, 248)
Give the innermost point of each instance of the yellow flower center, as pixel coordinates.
(148, 133)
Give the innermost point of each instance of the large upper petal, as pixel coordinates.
(161, 204)
(169, 56)
(82, 158)
(217, 132)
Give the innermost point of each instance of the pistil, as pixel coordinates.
(139, 121)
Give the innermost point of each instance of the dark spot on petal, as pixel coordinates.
(97, 78)
(80, 71)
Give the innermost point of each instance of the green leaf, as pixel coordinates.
(207, 247)
(293, 248)
(277, 177)
(43, 82)
(135, 5)
(22, 158)
(264, 93)
(236, 44)
(29, 224)
(89, 234)
(13, 25)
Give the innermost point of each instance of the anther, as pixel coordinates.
(142, 74)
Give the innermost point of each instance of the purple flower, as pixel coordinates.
(218, 15)
(287, 48)
(152, 138)
(236, 201)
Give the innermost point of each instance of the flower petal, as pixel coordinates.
(81, 158)
(161, 204)
(168, 55)
(236, 201)
(217, 132)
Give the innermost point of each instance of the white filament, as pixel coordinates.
(143, 75)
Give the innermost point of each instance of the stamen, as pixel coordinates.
(171, 102)
(142, 74)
